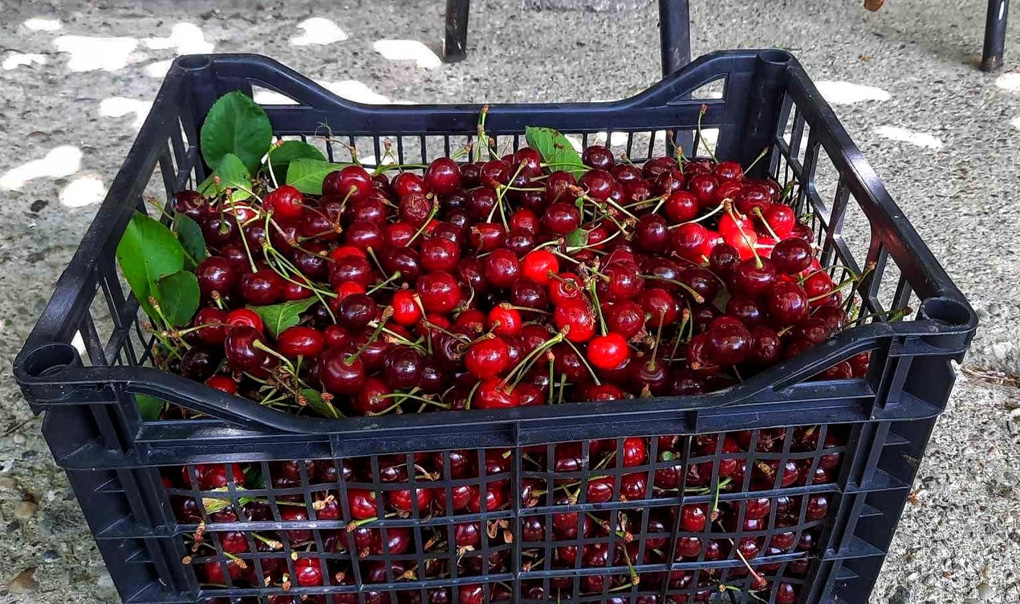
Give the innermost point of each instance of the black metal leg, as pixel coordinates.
(995, 34)
(455, 46)
(675, 42)
(674, 34)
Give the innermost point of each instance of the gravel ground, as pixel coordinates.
(943, 136)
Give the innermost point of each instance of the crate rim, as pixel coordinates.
(49, 369)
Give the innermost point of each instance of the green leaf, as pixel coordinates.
(191, 238)
(576, 238)
(280, 157)
(236, 124)
(278, 317)
(178, 297)
(232, 175)
(306, 175)
(149, 407)
(315, 402)
(216, 504)
(147, 252)
(555, 150)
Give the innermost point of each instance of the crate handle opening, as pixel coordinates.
(50, 359)
(194, 62)
(775, 57)
(948, 310)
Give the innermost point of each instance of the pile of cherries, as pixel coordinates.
(502, 284)
(767, 537)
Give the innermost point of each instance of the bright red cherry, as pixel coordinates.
(576, 319)
(487, 358)
(537, 265)
(442, 176)
(608, 351)
(286, 203)
(300, 341)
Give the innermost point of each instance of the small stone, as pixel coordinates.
(900, 596)
(19, 439)
(1001, 350)
(25, 510)
(105, 580)
(994, 308)
(50, 556)
(7, 483)
(984, 590)
(981, 313)
(24, 583)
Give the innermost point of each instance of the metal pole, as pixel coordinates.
(455, 46)
(995, 34)
(674, 34)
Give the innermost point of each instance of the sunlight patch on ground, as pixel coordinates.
(1009, 81)
(17, 59)
(93, 53)
(158, 69)
(847, 93)
(58, 163)
(184, 38)
(356, 91)
(407, 50)
(1015, 122)
(318, 31)
(349, 89)
(42, 24)
(118, 106)
(919, 139)
(82, 191)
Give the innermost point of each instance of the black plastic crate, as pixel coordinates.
(135, 478)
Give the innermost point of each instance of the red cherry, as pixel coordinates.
(608, 351)
(537, 265)
(495, 394)
(405, 308)
(407, 183)
(681, 206)
(222, 383)
(300, 341)
(577, 317)
(285, 203)
(353, 183)
(439, 291)
(505, 320)
(781, 218)
(442, 176)
(487, 357)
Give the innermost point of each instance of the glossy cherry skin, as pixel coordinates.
(215, 274)
(561, 218)
(351, 183)
(728, 342)
(362, 503)
(340, 374)
(608, 351)
(501, 268)
(754, 280)
(439, 292)
(300, 341)
(787, 303)
(262, 287)
(241, 350)
(792, 256)
(575, 319)
(442, 176)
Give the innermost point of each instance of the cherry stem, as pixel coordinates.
(842, 285)
(372, 255)
(701, 139)
(757, 212)
(471, 395)
(552, 378)
(698, 298)
(244, 240)
(591, 371)
(421, 229)
(747, 241)
(893, 315)
(387, 313)
(756, 160)
(393, 277)
(563, 382)
(483, 138)
(714, 211)
(655, 347)
(529, 359)
(679, 334)
(787, 191)
(598, 307)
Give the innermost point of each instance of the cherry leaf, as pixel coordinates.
(555, 149)
(278, 317)
(235, 125)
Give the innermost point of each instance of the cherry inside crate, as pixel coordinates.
(779, 489)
